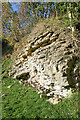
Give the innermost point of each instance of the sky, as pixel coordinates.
(15, 6)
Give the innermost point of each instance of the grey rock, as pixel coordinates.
(47, 63)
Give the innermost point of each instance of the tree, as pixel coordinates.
(17, 24)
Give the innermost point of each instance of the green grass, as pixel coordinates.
(24, 102)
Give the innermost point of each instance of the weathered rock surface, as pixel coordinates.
(47, 63)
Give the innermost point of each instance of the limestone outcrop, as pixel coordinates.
(48, 63)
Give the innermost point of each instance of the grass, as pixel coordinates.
(24, 102)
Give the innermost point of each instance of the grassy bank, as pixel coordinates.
(21, 101)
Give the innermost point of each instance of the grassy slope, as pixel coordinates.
(24, 102)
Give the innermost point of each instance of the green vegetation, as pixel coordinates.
(6, 65)
(24, 102)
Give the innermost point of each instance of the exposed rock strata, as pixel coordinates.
(47, 63)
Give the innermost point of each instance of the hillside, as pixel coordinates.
(43, 71)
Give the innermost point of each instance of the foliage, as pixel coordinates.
(6, 66)
(17, 24)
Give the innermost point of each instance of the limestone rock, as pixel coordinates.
(53, 101)
(47, 63)
(3, 95)
(9, 86)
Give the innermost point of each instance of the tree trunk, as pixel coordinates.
(56, 14)
(70, 18)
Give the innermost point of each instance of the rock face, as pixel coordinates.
(47, 63)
